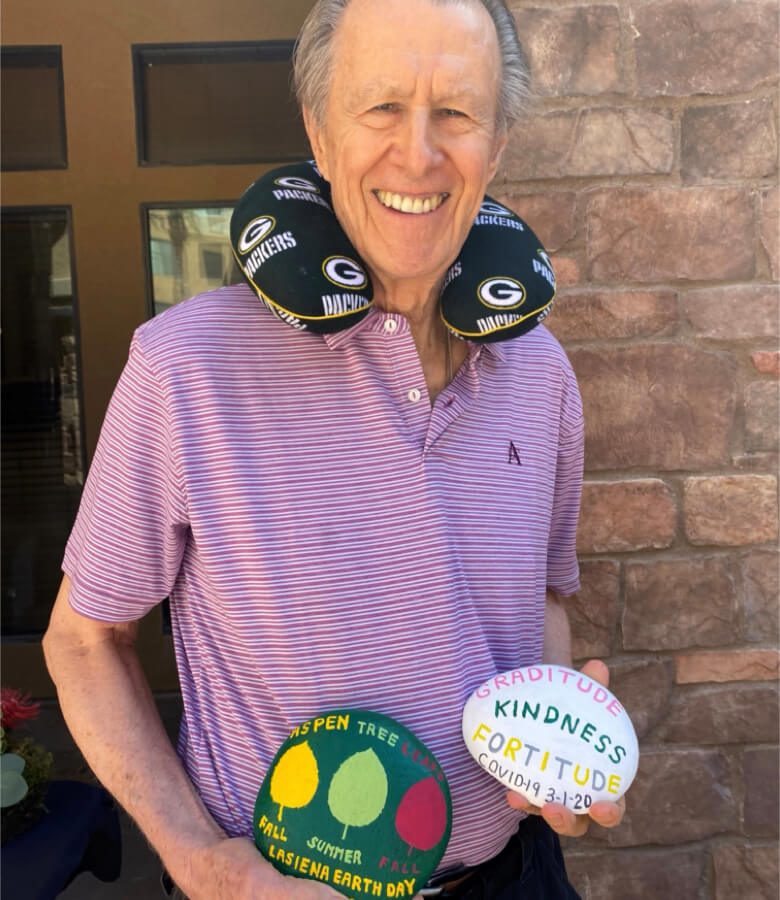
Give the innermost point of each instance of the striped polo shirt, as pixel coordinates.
(328, 538)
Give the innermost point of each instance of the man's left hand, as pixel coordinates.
(557, 816)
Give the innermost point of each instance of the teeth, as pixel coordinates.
(414, 205)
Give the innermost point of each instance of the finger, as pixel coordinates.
(597, 670)
(563, 821)
(608, 814)
(518, 801)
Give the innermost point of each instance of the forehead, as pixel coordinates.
(392, 44)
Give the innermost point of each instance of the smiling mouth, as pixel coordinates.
(415, 205)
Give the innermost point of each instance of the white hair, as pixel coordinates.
(312, 58)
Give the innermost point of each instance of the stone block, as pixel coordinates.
(591, 142)
(678, 796)
(747, 872)
(551, 216)
(737, 140)
(767, 362)
(727, 665)
(614, 314)
(651, 235)
(567, 270)
(759, 597)
(726, 714)
(731, 510)
(674, 604)
(572, 50)
(635, 874)
(593, 613)
(770, 229)
(762, 414)
(761, 814)
(622, 516)
(644, 687)
(736, 312)
(706, 47)
(656, 406)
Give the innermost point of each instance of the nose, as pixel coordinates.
(418, 145)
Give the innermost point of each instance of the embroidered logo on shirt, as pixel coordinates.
(513, 456)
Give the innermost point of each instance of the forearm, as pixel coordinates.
(557, 632)
(109, 708)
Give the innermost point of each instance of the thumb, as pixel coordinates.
(597, 670)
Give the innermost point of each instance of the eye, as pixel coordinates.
(385, 107)
(452, 113)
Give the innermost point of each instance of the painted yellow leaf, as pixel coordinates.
(295, 778)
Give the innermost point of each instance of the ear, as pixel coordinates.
(501, 140)
(316, 139)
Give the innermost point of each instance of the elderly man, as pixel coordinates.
(334, 518)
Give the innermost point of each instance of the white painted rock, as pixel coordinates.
(552, 735)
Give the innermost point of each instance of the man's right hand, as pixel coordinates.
(233, 869)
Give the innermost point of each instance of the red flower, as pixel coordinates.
(15, 707)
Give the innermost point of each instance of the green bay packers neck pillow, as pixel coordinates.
(297, 258)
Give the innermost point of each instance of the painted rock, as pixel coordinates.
(552, 735)
(355, 800)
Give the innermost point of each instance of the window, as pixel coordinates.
(216, 103)
(32, 108)
(189, 252)
(213, 263)
(42, 447)
(163, 262)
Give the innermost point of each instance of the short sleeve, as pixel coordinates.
(562, 567)
(124, 552)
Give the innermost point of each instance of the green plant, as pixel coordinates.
(24, 767)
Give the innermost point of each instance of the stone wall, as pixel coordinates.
(649, 166)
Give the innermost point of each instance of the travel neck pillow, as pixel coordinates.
(294, 254)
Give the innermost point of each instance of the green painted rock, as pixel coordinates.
(355, 800)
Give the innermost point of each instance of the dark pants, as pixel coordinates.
(530, 867)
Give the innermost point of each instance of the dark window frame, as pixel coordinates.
(19, 56)
(225, 51)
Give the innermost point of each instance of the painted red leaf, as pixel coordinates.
(421, 819)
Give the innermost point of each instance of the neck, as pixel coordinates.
(440, 354)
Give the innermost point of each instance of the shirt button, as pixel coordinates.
(391, 326)
(414, 395)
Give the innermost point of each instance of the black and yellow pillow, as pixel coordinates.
(295, 255)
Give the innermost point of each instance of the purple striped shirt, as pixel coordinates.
(328, 539)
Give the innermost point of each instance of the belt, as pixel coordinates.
(509, 863)
(445, 882)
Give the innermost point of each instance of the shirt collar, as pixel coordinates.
(375, 320)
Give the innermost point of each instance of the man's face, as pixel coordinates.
(409, 140)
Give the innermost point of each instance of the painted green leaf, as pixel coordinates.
(13, 788)
(358, 790)
(295, 778)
